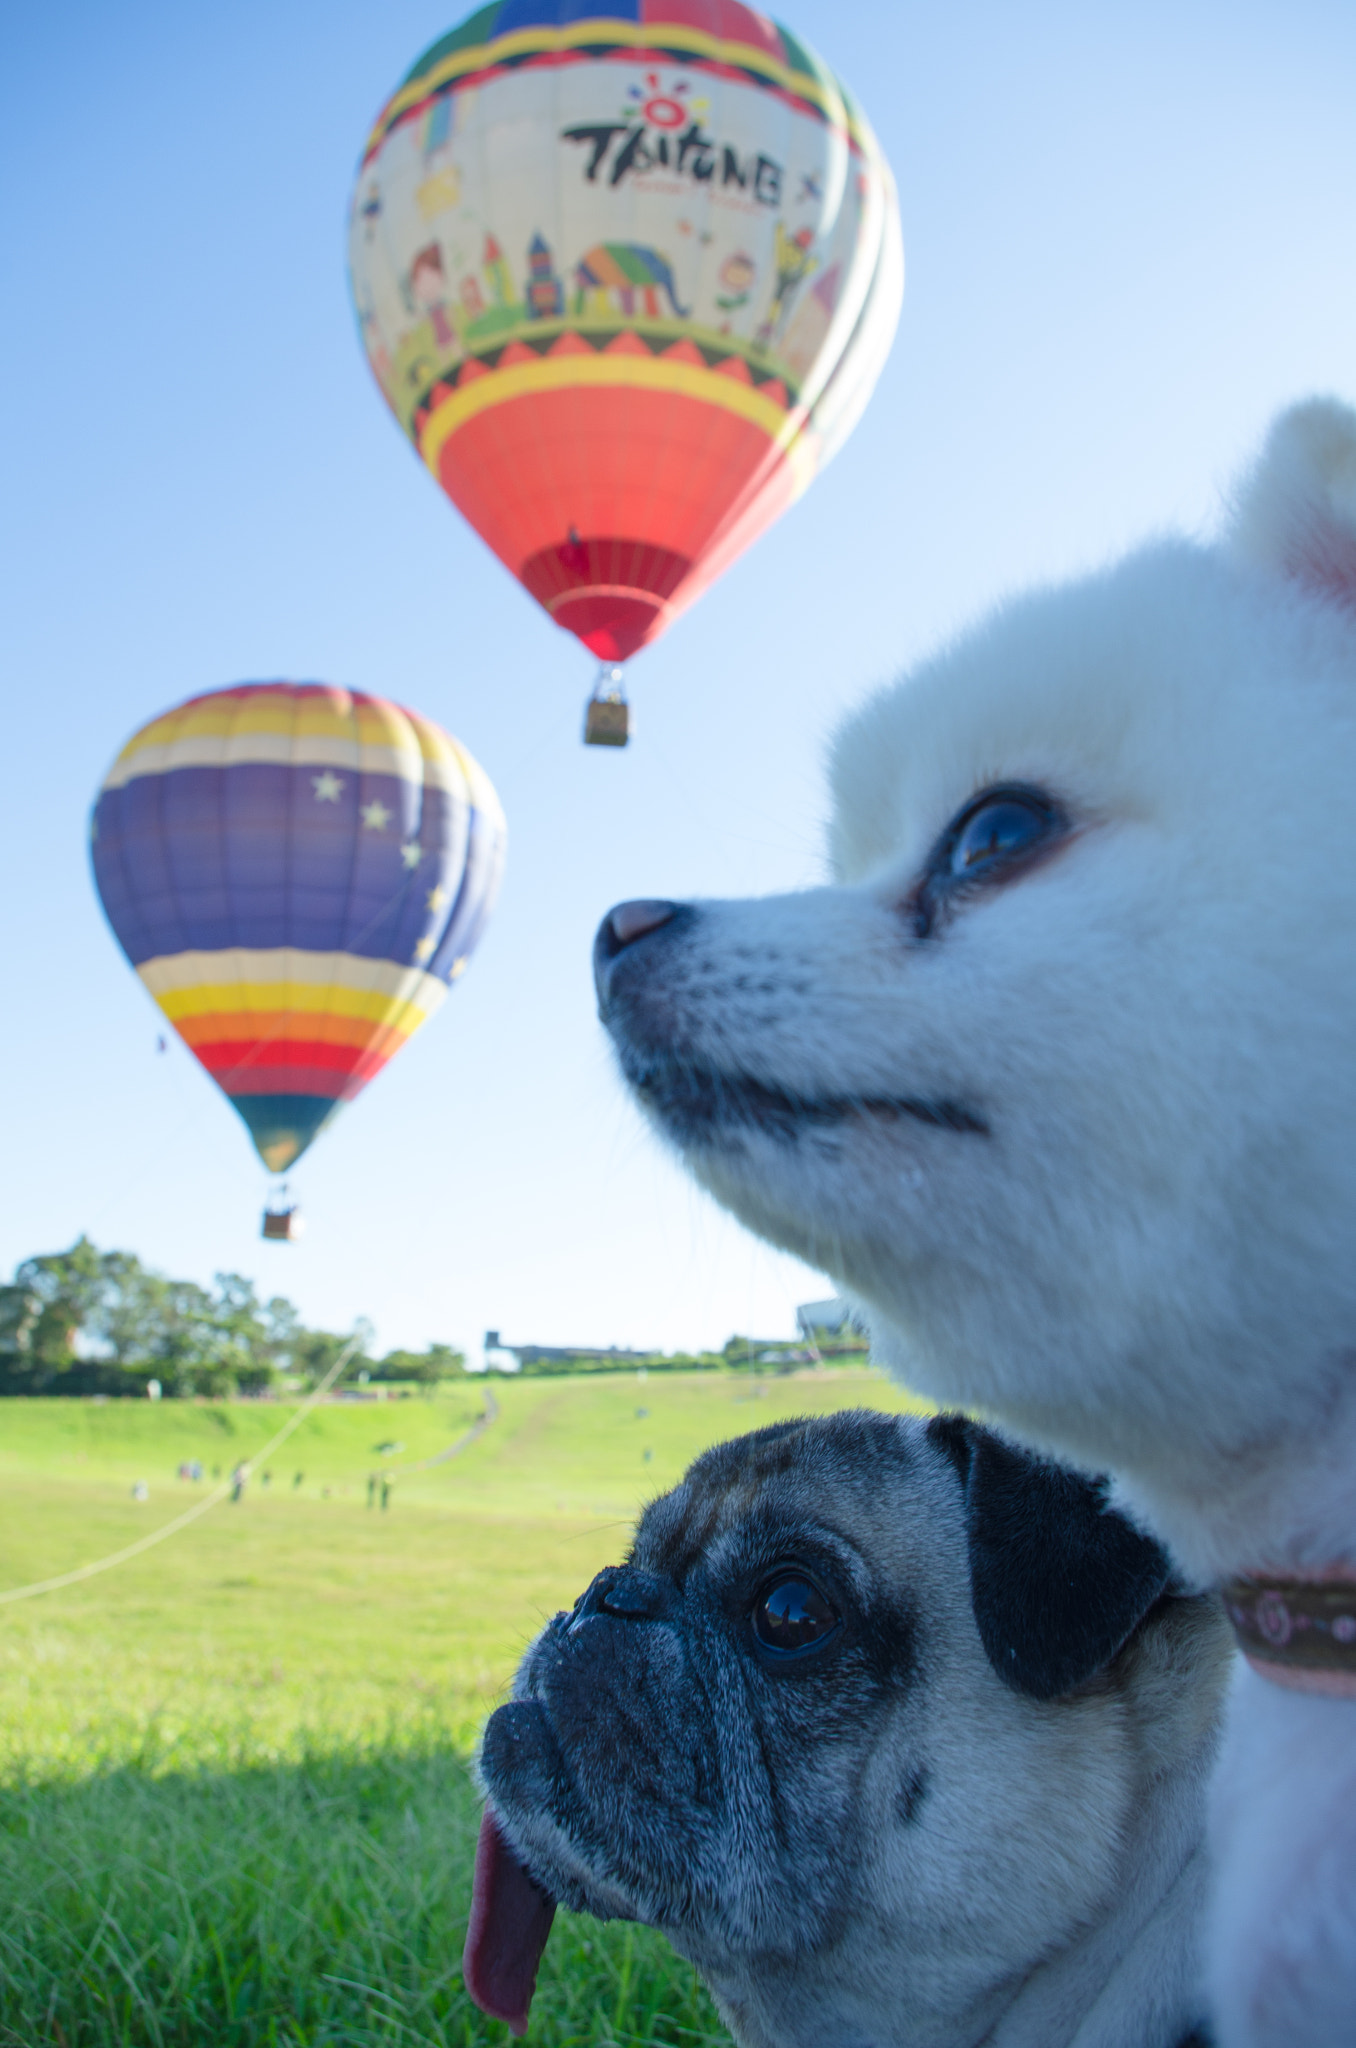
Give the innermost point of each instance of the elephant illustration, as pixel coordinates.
(608, 276)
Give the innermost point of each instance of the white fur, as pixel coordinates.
(1149, 1263)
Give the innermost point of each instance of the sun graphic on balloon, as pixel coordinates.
(665, 110)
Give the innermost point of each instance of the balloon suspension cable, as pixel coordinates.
(609, 686)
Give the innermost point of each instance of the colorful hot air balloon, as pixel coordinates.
(297, 873)
(626, 271)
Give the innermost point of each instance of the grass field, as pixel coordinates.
(234, 1803)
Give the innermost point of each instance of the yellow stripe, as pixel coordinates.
(639, 35)
(371, 736)
(269, 968)
(225, 715)
(243, 999)
(650, 373)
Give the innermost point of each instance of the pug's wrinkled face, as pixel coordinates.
(778, 1732)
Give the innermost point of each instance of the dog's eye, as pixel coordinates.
(996, 834)
(791, 1615)
(999, 828)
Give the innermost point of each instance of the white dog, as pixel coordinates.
(1057, 1080)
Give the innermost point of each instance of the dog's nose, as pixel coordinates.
(627, 922)
(625, 1592)
(621, 928)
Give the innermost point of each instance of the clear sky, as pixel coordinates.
(1130, 233)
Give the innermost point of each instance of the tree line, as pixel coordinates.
(90, 1322)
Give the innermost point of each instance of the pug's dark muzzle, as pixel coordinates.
(610, 1731)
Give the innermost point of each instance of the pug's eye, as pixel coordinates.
(999, 828)
(792, 1615)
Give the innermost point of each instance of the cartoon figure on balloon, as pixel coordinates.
(428, 291)
(735, 278)
(792, 263)
(608, 277)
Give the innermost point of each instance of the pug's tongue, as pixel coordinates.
(510, 1920)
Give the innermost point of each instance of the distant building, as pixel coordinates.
(501, 1357)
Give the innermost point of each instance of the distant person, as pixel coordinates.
(385, 1493)
(238, 1482)
(372, 1489)
(195, 1470)
(297, 1478)
(266, 1479)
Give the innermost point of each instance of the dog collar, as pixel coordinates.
(1298, 1631)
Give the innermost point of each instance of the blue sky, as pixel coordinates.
(1129, 237)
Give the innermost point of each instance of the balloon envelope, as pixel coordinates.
(297, 873)
(626, 274)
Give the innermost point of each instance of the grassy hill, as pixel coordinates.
(233, 1799)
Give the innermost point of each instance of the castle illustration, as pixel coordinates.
(545, 292)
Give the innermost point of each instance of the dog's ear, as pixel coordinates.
(1058, 1580)
(1295, 512)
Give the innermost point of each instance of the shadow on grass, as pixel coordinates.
(275, 1906)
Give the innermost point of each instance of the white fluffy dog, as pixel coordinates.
(1057, 1080)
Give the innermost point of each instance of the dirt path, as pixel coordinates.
(462, 1443)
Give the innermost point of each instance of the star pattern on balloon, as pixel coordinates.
(436, 898)
(229, 937)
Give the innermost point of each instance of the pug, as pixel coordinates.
(897, 1731)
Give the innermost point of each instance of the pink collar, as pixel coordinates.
(1298, 1628)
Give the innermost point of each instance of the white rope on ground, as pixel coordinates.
(199, 1507)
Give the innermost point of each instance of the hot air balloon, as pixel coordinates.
(297, 873)
(627, 273)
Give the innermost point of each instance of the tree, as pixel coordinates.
(85, 1321)
(438, 1362)
(315, 1351)
(55, 1322)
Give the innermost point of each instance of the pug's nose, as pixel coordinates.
(624, 1592)
(627, 922)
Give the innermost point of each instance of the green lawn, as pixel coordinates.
(234, 1805)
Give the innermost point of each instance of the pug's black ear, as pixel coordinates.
(1058, 1580)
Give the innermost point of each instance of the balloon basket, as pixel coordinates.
(607, 715)
(283, 1220)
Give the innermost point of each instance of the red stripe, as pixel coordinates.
(237, 1067)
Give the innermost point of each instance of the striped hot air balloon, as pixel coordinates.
(626, 273)
(297, 873)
